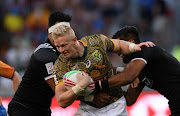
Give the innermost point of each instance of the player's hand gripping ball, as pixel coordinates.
(70, 80)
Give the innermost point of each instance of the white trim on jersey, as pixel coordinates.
(139, 59)
(44, 45)
(49, 77)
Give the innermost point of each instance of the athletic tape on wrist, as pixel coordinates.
(77, 89)
(131, 47)
(89, 98)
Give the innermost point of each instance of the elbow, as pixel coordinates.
(62, 105)
(130, 102)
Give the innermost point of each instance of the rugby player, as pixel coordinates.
(8, 72)
(36, 90)
(154, 67)
(89, 55)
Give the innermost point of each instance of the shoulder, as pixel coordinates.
(45, 52)
(93, 37)
(94, 40)
(155, 50)
(144, 54)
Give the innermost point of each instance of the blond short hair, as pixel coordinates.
(62, 30)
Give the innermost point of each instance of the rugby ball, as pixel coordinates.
(70, 80)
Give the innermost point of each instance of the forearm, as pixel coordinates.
(15, 81)
(121, 79)
(65, 99)
(124, 47)
(132, 94)
(129, 74)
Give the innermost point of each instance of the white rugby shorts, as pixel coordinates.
(117, 108)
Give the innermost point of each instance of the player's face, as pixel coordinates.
(66, 46)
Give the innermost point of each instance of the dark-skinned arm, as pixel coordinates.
(51, 83)
(129, 74)
(99, 99)
(132, 94)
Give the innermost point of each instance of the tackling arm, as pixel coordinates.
(129, 74)
(51, 83)
(132, 94)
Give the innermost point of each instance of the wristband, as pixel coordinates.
(97, 87)
(77, 89)
(105, 84)
(89, 98)
(119, 69)
(131, 47)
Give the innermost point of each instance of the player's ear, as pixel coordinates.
(75, 38)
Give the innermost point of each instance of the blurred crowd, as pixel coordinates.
(24, 23)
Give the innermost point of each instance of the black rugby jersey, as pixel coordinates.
(161, 73)
(33, 91)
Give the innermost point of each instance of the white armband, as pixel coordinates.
(77, 89)
(119, 69)
(131, 47)
(89, 98)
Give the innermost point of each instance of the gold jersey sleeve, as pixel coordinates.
(99, 40)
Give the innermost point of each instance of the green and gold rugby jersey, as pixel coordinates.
(94, 61)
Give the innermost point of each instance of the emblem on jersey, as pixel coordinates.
(97, 55)
(148, 82)
(49, 67)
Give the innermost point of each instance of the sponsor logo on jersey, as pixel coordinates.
(148, 82)
(97, 55)
(49, 67)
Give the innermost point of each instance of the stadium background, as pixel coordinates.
(23, 26)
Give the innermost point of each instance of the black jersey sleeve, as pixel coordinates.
(143, 55)
(45, 58)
